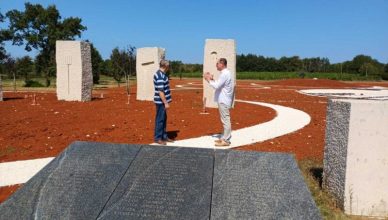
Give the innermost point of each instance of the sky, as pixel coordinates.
(336, 29)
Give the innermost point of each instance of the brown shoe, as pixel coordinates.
(160, 142)
(218, 141)
(222, 144)
(169, 140)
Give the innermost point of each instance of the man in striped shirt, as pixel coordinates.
(162, 98)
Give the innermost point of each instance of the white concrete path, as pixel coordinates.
(16, 172)
(287, 120)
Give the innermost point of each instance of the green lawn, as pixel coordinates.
(39, 83)
(312, 171)
(107, 81)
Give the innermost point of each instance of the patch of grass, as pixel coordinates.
(108, 82)
(266, 75)
(21, 84)
(312, 171)
(7, 151)
(290, 75)
(188, 75)
(39, 83)
(8, 83)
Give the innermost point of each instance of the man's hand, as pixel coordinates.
(207, 76)
(166, 105)
(211, 77)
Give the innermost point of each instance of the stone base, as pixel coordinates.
(356, 156)
(74, 71)
(147, 63)
(214, 50)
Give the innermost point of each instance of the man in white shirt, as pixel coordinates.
(224, 95)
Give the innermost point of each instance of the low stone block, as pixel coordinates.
(356, 156)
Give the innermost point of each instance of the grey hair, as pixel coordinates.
(164, 63)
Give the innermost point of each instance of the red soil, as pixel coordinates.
(35, 131)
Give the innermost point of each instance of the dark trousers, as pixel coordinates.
(160, 123)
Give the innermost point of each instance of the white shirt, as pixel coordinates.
(224, 87)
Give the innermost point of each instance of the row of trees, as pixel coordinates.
(177, 67)
(255, 63)
(121, 64)
(361, 64)
(26, 67)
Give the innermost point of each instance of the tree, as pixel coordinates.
(115, 60)
(176, 66)
(291, 64)
(39, 28)
(9, 67)
(4, 36)
(2, 49)
(122, 64)
(97, 63)
(369, 69)
(363, 64)
(24, 67)
(106, 67)
(385, 74)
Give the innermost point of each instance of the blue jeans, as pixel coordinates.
(160, 123)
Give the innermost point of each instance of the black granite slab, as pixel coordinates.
(164, 183)
(252, 185)
(75, 185)
(119, 181)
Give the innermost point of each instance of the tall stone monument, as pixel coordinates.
(147, 63)
(74, 71)
(356, 156)
(215, 49)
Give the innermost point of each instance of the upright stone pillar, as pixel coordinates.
(215, 49)
(147, 63)
(74, 71)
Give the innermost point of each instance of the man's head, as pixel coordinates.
(164, 65)
(221, 64)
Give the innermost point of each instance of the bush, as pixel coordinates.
(384, 76)
(32, 83)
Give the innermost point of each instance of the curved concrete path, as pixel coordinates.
(17, 172)
(287, 120)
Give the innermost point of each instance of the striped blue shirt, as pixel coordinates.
(161, 83)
